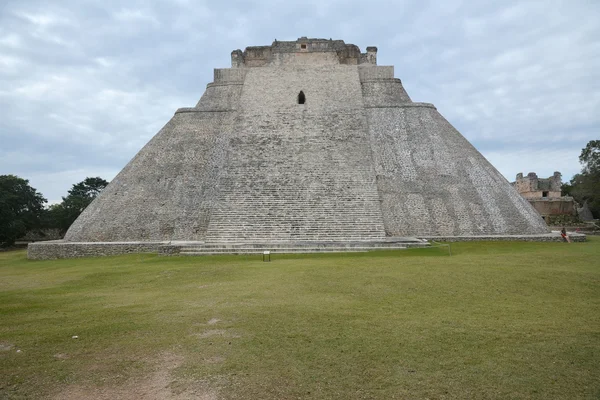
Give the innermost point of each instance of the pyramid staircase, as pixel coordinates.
(289, 247)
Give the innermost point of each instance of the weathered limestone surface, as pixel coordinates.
(432, 181)
(298, 171)
(61, 249)
(166, 192)
(357, 160)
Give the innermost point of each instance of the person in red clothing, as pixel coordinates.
(563, 233)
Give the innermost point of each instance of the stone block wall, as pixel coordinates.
(374, 73)
(556, 206)
(380, 88)
(166, 192)
(60, 249)
(224, 93)
(328, 88)
(298, 171)
(555, 237)
(432, 181)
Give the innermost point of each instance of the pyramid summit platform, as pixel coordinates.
(305, 141)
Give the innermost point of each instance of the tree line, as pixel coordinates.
(22, 208)
(585, 186)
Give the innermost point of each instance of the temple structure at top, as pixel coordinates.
(303, 51)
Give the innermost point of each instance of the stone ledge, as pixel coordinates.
(406, 105)
(380, 80)
(197, 110)
(233, 83)
(548, 237)
(54, 249)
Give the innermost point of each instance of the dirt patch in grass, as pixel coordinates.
(62, 356)
(4, 346)
(214, 360)
(157, 386)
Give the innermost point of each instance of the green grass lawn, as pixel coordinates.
(493, 321)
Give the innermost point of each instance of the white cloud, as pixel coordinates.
(42, 20)
(9, 63)
(136, 15)
(105, 62)
(11, 40)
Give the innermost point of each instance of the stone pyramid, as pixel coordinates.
(306, 140)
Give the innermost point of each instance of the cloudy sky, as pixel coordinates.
(84, 84)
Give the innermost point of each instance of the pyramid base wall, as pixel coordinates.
(57, 249)
(550, 237)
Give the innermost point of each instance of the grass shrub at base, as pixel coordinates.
(493, 321)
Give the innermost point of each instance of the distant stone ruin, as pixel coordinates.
(544, 194)
(304, 141)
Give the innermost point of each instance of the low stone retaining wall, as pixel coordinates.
(61, 249)
(169, 250)
(550, 237)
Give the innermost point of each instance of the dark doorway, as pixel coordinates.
(301, 98)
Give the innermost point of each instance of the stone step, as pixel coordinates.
(288, 227)
(312, 218)
(299, 233)
(287, 230)
(213, 251)
(274, 246)
(236, 239)
(290, 216)
(308, 222)
(274, 231)
(287, 245)
(297, 236)
(237, 246)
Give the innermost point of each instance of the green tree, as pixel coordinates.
(79, 197)
(54, 218)
(585, 186)
(590, 157)
(88, 189)
(21, 208)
